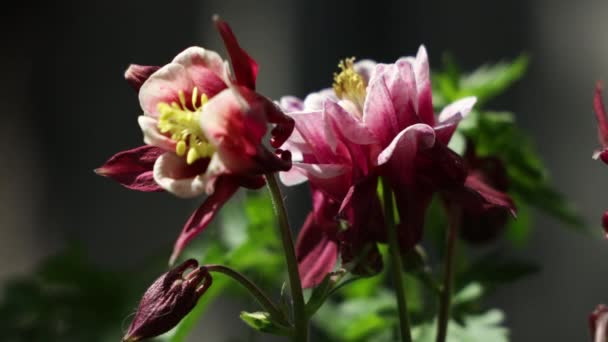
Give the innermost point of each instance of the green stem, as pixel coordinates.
(396, 263)
(255, 291)
(446, 293)
(299, 307)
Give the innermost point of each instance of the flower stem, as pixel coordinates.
(396, 263)
(255, 291)
(446, 293)
(299, 308)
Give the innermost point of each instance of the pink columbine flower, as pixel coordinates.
(203, 130)
(378, 120)
(602, 124)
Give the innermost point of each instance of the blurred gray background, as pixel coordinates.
(66, 108)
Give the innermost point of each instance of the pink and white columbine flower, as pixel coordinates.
(383, 116)
(203, 131)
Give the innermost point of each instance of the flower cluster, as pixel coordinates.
(377, 121)
(204, 128)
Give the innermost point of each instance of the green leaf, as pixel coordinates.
(492, 270)
(475, 328)
(488, 81)
(261, 321)
(358, 318)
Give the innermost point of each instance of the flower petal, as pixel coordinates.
(401, 152)
(174, 175)
(462, 107)
(200, 219)
(423, 86)
(291, 104)
(600, 114)
(379, 113)
(133, 168)
(346, 124)
(478, 196)
(317, 248)
(412, 203)
(365, 69)
(205, 68)
(314, 101)
(164, 86)
(136, 75)
(149, 127)
(245, 67)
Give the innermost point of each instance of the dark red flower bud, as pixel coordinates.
(169, 299)
(598, 320)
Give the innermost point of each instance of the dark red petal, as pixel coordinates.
(605, 223)
(136, 75)
(245, 67)
(225, 187)
(412, 204)
(477, 196)
(133, 168)
(600, 114)
(362, 210)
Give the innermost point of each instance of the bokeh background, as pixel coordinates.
(66, 108)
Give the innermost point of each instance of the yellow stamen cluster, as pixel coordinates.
(348, 84)
(183, 126)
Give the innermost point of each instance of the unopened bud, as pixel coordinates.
(169, 299)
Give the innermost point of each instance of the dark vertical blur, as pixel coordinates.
(65, 108)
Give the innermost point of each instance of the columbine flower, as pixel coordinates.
(383, 116)
(203, 131)
(602, 124)
(598, 324)
(169, 299)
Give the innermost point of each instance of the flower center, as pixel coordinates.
(183, 126)
(348, 84)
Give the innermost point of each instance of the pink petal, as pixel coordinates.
(133, 168)
(313, 128)
(234, 121)
(291, 104)
(164, 86)
(379, 113)
(173, 174)
(152, 136)
(450, 116)
(205, 68)
(365, 68)
(462, 107)
(406, 144)
(315, 101)
(423, 86)
(347, 125)
(136, 75)
(245, 67)
(600, 114)
(200, 219)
